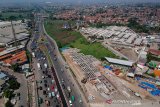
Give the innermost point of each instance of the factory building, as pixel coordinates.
(6, 33)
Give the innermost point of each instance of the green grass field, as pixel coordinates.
(95, 49)
(75, 39)
(62, 36)
(18, 15)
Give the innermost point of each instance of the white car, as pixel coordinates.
(70, 102)
(57, 96)
(62, 80)
(69, 89)
(53, 94)
(62, 70)
(49, 95)
(52, 81)
(43, 77)
(55, 90)
(48, 89)
(80, 101)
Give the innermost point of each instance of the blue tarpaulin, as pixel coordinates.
(155, 93)
(138, 78)
(149, 85)
(108, 67)
(63, 48)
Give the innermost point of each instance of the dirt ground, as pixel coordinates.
(129, 53)
(2, 102)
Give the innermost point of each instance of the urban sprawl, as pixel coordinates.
(50, 57)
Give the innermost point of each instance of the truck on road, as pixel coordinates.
(49, 95)
(72, 98)
(69, 89)
(33, 55)
(39, 66)
(45, 65)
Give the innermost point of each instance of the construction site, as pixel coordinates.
(102, 86)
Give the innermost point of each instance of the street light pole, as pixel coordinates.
(13, 31)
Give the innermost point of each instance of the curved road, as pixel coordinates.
(64, 73)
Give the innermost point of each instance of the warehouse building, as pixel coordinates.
(6, 33)
(119, 62)
(114, 34)
(138, 41)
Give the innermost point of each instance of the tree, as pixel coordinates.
(20, 16)
(15, 67)
(8, 104)
(152, 74)
(51, 16)
(11, 18)
(84, 80)
(1, 17)
(29, 56)
(13, 84)
(149, 57)
(59, 44)
(8, 94)
(103, 59)
(23, 21)
(133, 24)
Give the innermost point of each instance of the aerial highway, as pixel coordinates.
(63, 73)
(51, 74)
(47, 92)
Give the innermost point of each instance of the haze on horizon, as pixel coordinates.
(83, 1)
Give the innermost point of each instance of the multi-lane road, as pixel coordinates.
(56, 71)
(65, 73)
(43, 76)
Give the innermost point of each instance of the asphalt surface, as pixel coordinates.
(63, 76)
(59, 87)
(43, 76)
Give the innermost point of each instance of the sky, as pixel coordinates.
(82, 1)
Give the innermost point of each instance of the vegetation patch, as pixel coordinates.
(75, 39)
(62, 36)
(18, 15)
(95, 49)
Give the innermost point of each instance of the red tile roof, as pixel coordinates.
(1, 49)
(19, 57)
(154, 51)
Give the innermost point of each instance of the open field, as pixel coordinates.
(75, 39)
(18, 15)
(95, 49)
(62, 36)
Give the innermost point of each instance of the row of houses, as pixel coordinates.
(122, 35)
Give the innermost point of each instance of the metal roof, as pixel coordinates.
(2, 75)
(119, 61)
(12, 49)
(138, 41)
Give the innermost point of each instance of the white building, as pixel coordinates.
(6, 34)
